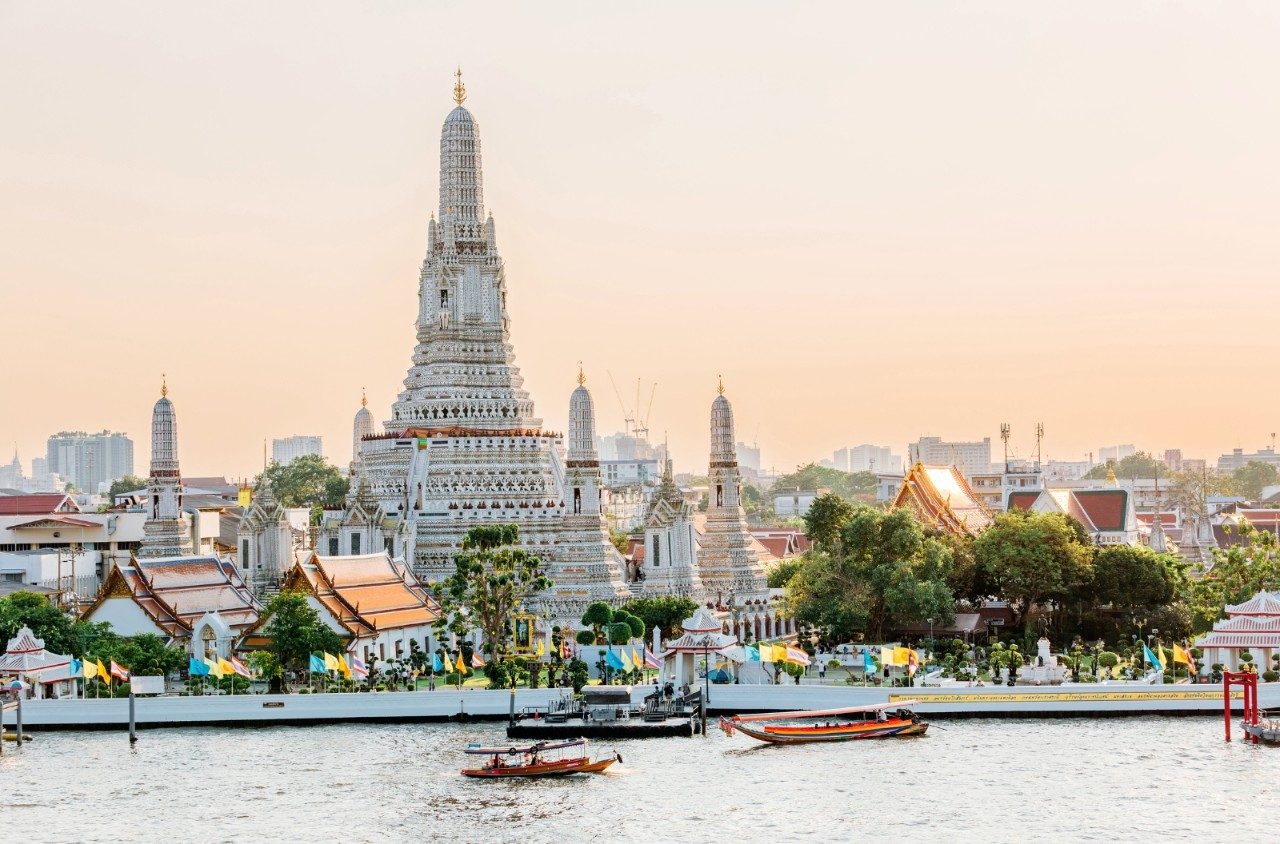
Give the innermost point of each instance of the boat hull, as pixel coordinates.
(805, 735)
(562, 768)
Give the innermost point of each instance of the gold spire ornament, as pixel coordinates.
(459, 90)
(582, 377)
(164, 386)
(364, 398)
(720, 384)
(1111, 474)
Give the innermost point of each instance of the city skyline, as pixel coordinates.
(1077, 244)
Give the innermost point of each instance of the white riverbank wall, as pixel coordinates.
(446, 704)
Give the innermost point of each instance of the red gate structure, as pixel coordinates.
(1248, 681)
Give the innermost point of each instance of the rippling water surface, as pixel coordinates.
(1049, 780)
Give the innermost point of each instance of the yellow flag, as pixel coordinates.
(102, 672)
(215, 669)
(902, 656)
(1181, 655)
(343, 668)
(1164, 659)
(89, 670)
(886, 656)
(225, 667)
(462, 666)
(635, 661)
(542, 647)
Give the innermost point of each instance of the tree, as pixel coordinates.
(1137, 465)
(1188, 491)
(307, 481)
(28, 609)
(145, 655)
(851, 486)
(295, 631)
(881, 574)
(1031, 558)
(827, 515)
(1249, 480)
(1238, 573)
(1133, 579)
(783, 572)
(492, 581)
(662, 611)
(129, 483)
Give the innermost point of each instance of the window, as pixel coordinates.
(657, 552)
(333, 546)
(244, 554)
(355, 543)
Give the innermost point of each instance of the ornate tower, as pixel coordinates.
(670, 542)
(167, 531)
(728, 561)
(363, 426)
(265, 541)
(587, 567)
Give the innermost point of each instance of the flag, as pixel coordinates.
(316, 665)
(542, 647)
(868, 662)
(636, 660)
(796, 656)
(886, 657)
(1151, 658)
(462, 666)
(119, 672)
(437, 665)
(239, 667)
(1183, 655)
(89, 669)
(330, 662)
(751, 652)
(1164, 658)
(75, 668)
(361, 671)
(913, 662)
(197, 668)
(225, 667)
(902, 656)
(611, 659)
(343, 668)
(766, 652)
(102, 672)
(476, 660)
(652, 661)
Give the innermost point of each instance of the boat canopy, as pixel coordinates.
(540, 747)
(822, 713)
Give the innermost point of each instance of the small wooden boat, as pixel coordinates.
(530, 762)
(880, 724)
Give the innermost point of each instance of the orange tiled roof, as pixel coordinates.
(175, 592)
(941, 498)
(366, 593)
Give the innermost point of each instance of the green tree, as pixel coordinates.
(1134, 580)
(129, 483)
(851, 486)
(1032, 557)
(1238, 573)
(492, 580)
(28, 609)
(883, 574)
(1137, 465)
(780, 574)
(663, 611)
(295, 631)
(145, 655)
(1248, 481)
(307, 481)
(827, 515)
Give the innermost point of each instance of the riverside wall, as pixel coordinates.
(1089, 700)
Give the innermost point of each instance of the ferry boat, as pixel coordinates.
(531, 761)
(877, 722)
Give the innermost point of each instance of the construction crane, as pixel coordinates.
(642, 426)
(633, 425)
(627, 420)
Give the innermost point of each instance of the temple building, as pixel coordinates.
(200, 603)
(266, 541)
(1106, 514)
(942, 499)
(667, 563)
(373, 602)
(167, 532)
(1253, 626)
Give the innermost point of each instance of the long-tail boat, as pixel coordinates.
(877, 722)
(530, 762)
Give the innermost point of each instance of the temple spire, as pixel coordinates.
(459, 90)
(164, 385)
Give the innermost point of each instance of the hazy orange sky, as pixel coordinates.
(876, 221)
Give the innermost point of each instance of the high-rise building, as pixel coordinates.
(1238, 459)
(288, 449)
(1116, 452)
(973, 457)
(877, 459)
(90, 461)
(748, 456)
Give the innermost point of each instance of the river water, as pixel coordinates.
(968, 780)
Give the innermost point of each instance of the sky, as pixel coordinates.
(875, 221)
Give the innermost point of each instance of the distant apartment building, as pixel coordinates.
(289, 449)
(625, 473)
(794, 503)
(972, 457)
(1173, 459)
(877, 459)
(89, 461)
(1066, 470)
(748, 456)
(1116, 452)
(1238, 459)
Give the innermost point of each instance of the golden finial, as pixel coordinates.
(459, 90)
(720, 385)
(164, 386)
(364, 398)
(1111, 474)
(582, 378)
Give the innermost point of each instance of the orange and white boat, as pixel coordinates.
(877, 722)
(531, 762)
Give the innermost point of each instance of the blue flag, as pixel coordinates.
(868, 664)
(76, 668)
(317, 665)
(753, 655)
(611, 660)
(436, 664)
(1151, 658)
(197, 668)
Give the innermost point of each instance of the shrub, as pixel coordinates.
(453, 678)
(1271, 676)
(304, 691)
(1246, 656)
(585, 637)
(578, 675)
(1108, 659)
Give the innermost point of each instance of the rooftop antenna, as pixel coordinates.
(1004, 437)
(1039, 437)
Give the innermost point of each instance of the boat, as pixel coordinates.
(882, 723)
(530, 762)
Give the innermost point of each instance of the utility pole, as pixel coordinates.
(1004, 437)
